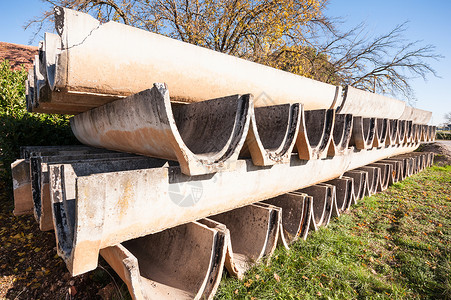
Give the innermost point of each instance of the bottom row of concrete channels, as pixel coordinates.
(169, 235)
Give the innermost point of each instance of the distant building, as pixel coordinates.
(18, 55)
(444, 127)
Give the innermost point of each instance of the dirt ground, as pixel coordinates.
(442, 149)
(31, 269)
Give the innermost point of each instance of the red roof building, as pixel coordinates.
(18, 55)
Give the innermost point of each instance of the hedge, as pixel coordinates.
(443, 135)
(20, 128)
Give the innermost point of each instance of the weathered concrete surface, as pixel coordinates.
(432, 133)
(136, 203)
(64, 212)
(296, 216)
(28, 151)
(420, 116)
(361, 183)
(428, 133)
(222, 246)
(144, 58)
(406, 166)
(409, 132)
(386, 175)
(392, 132)
(76, 70)
(373, 178)
(315, 134)
(370, 105)
(40, 177)
(23, 193)
(416, 133)
(203, 137)
(344, 192)
(396, 170)
(39, 80)
(424, 133)
(272, 134)
(147, 270)
(417, 116)
(52, 49)
(418, 160)
(402, 128)
(44, 99)
(341, 134)
(381, 132)
(23, 203)
(324, 203)
(363, 132)
(229, 261)
(254, 231)
(184, 262)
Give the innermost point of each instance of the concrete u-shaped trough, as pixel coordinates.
(341, 134)
(22, 173)
(139, 202)
(145, 215)
(363, 132)
(386, 175)
(203, 137)
(361, 183)
(396, 170)
(373, 178)
(324, 203)
(344, 192)
(315, 134)
(381, 132)
(296, 216)
(392, 136)
(369, 105)
(184, 262)
(272, 134)
(148, 270)
(40, 178)
(254, 231)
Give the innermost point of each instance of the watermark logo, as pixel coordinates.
(186, 194)
(264, 100)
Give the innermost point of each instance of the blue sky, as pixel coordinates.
(429, 21)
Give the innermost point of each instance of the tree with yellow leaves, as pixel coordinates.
(255, 30)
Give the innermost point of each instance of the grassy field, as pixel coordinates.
(394, 245)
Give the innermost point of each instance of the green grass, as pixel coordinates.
(394, 245)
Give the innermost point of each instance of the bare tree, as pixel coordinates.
(384, 64)
(248, 29)
(448, 118)
(104, 10)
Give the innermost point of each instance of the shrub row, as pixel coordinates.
(443, 135)
(20, 128)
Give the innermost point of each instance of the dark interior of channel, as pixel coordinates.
(208, 127)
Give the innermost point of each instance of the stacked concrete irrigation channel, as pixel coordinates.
(210, 169)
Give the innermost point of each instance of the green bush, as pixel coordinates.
(443, 135)
(20, 128)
